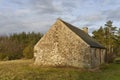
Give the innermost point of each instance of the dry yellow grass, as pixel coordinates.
(25, 70)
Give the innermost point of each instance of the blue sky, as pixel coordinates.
(38, 15)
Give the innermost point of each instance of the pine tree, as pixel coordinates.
(106, 36)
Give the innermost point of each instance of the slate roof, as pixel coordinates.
(88, 39)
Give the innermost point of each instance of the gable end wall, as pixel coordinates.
(62, 47)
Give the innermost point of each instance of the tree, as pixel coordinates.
(117, 42)
(18, 45)
(110, 34)
(99, 35)
(106, 37)
(10, 49)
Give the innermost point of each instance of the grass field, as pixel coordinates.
(24, 70)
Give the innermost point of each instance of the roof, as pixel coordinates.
(88, 39)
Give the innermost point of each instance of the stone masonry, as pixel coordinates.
(60, 46)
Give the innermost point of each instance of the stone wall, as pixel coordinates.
(103, 52)
(97, 57)
(62, 47)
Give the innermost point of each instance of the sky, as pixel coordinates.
(38, 15)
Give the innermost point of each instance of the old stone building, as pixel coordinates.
(66, 45)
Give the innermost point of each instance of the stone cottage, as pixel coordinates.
(67, 45)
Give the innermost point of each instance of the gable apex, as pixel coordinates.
(86, 37)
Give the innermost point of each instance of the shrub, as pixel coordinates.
(28, 52)
(110, 58)
(117, 60)
(2, 56)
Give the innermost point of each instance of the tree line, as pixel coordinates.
(109, 36)
(17, 46)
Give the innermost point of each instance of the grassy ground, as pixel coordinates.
(24, 70)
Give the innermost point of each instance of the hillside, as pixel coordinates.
(24, 70)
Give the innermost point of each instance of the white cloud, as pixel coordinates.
(39, 15)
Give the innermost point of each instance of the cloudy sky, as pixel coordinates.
(38, 15)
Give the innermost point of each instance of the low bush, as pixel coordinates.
(2, 56)
(28, 52)
(117, 60)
